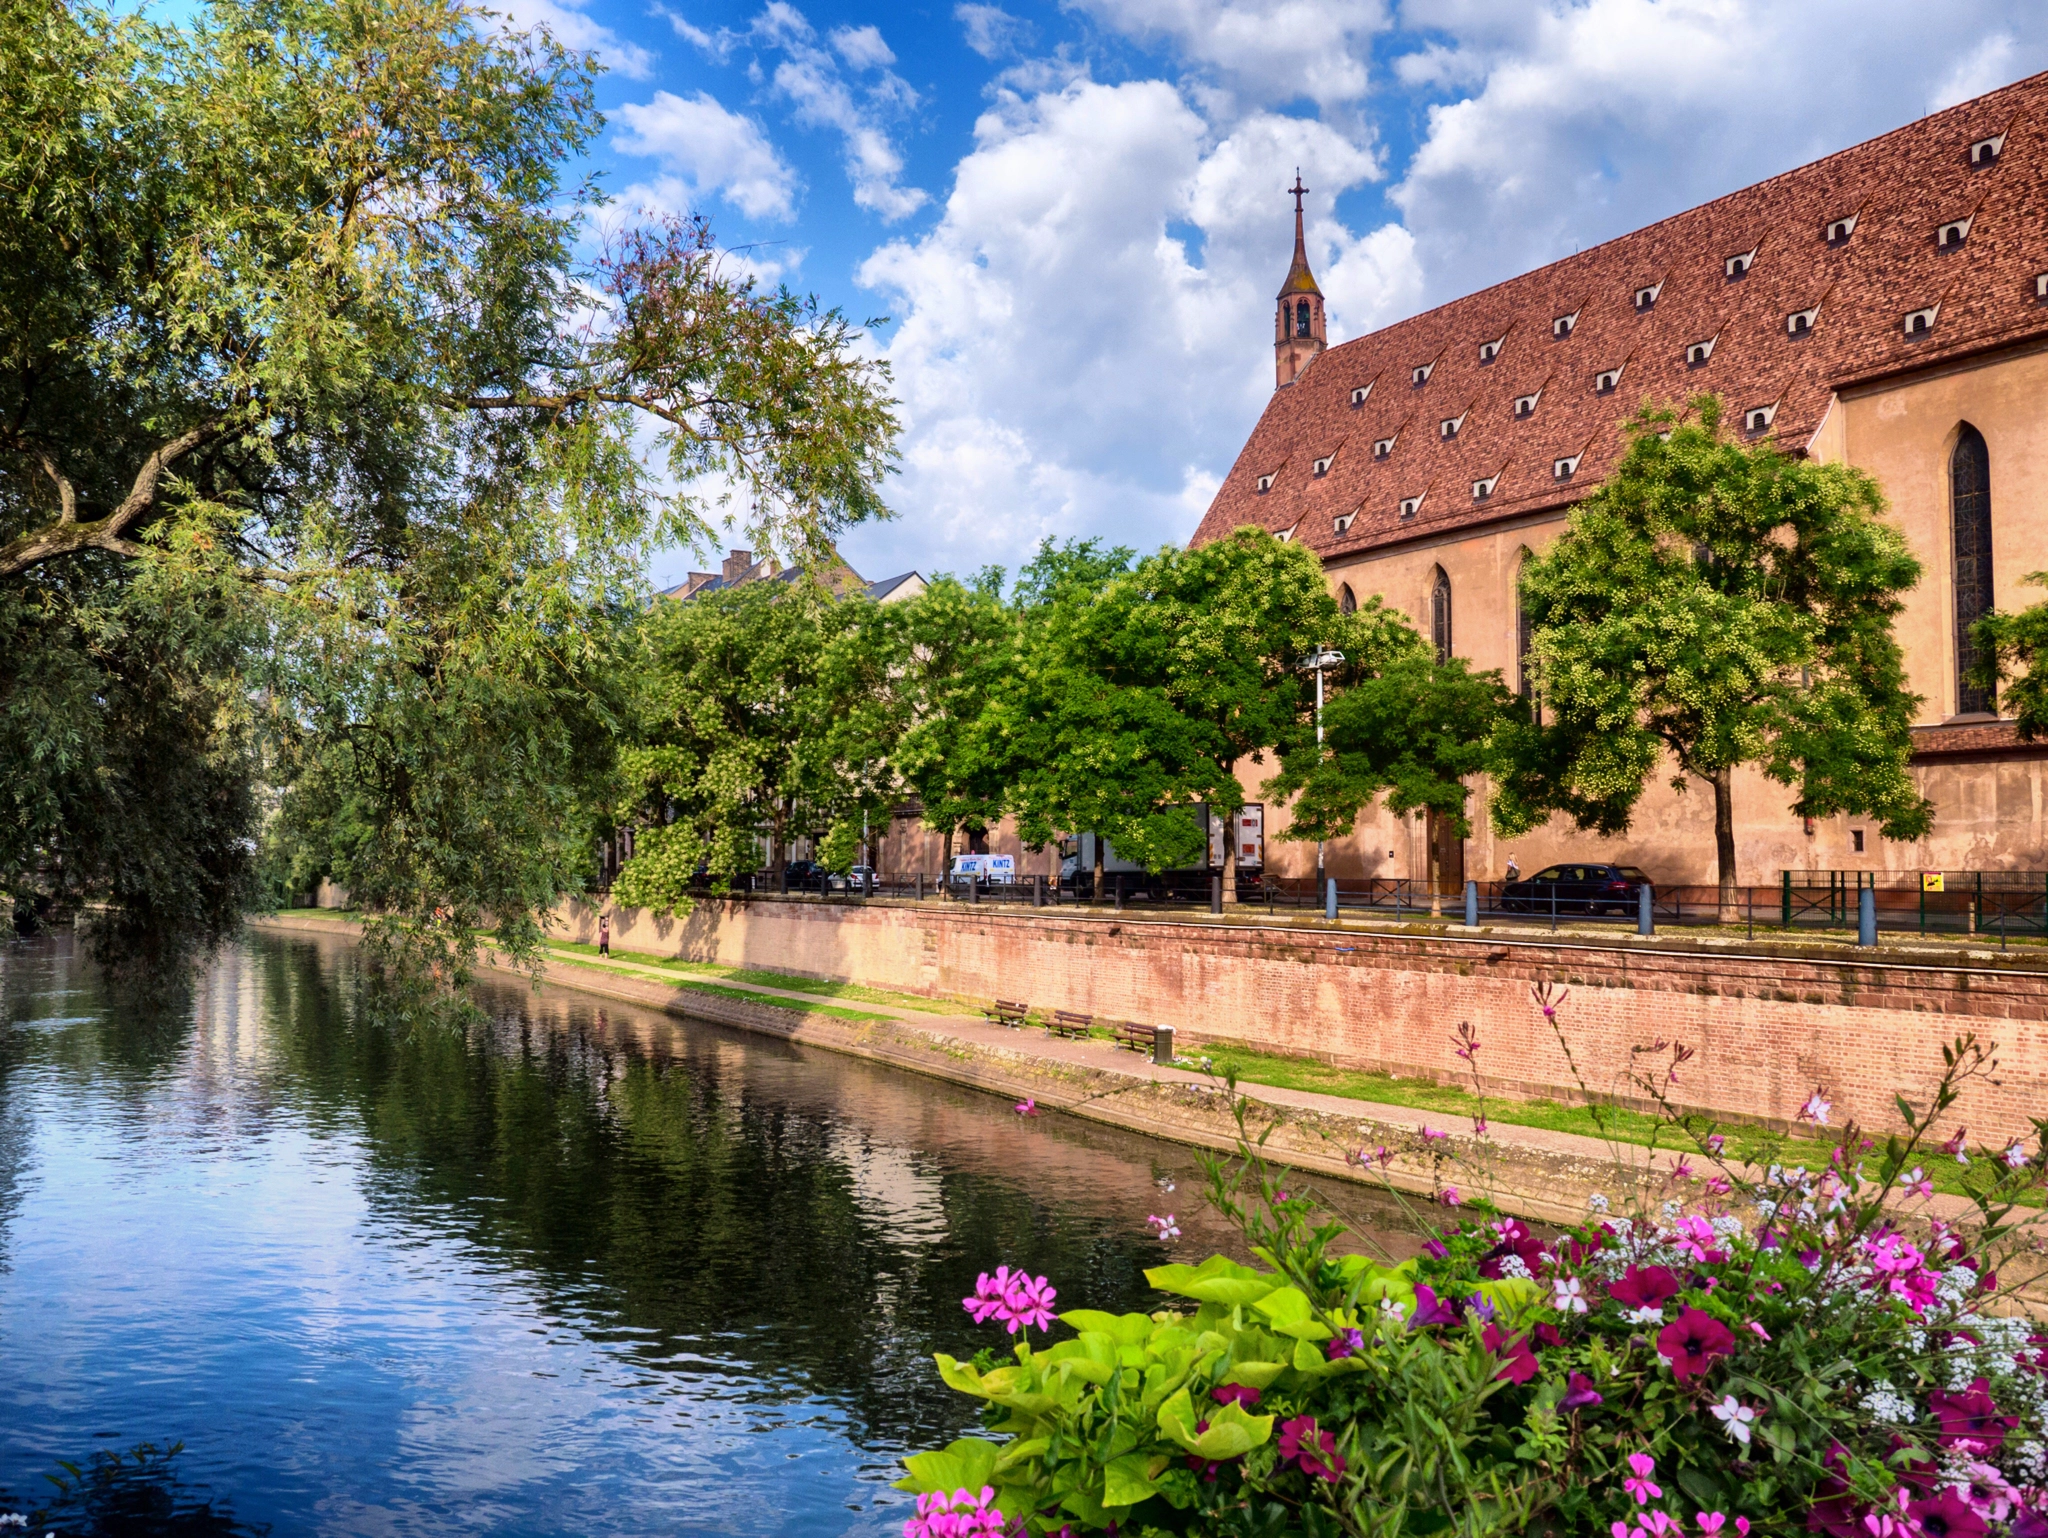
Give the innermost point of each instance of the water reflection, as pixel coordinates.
(570, 1267)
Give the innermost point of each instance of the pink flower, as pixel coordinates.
(1449, 1197)
(1579, 1393)
(1235, 1393)
(1518, 1357)
(1717, 1185)
(1711, 1522)
(1816, 1108)
(1715, 1143)
(1168, 1229)
(1762, 1333)
(1644, 1287)
(1945, 1514)
(1971, 1418)
(1026, 1107)
(1345, 1343)
(1012, 1298)
(1641, 1467)
(1917, 1184)
(1692, 1341)
(1431, 1135)
(959, 1515)
(1304, 1443)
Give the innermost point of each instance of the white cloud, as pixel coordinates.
(705, 149)
(992, 31)
(862, 47)
(1271, 51)
(1992, 63)
(566, 23)
(1083, 340)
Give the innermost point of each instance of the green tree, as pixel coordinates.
(292, 292)
(2009, 651)
(1716, 604)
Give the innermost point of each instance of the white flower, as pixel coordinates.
(1511, 1265)
(1815, 1110)
(1885, 1403)
(1566, 1296)
(1393, 1310)
(1596, 1202)
(1736, 1416)
(2016, 1156)
(1644, 1316)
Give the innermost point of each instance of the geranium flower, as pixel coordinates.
(1692, 1341)
(1970, 1418)
(1168, 1229)
(1235, 1393)
(1012, 1298)
(958, 1515)
(1345, 1343)
(1735, 1417)
(1945, 1514)
(1450, 1196)
(1579, 1393)
(1644, 1287)
(1641, 1467)
(1566, 1295)
(1304, 1443)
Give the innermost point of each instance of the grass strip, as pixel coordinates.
(824, 987)
(706, 985)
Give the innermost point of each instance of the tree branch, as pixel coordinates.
(67, 494)
(67, 536)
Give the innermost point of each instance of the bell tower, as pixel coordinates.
(1298, 333)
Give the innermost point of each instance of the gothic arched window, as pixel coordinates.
(1347, 601)
(1969, 481)
(1440, 615)
(1525, 670)
(1301, 319)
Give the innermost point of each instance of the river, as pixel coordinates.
(567, 1267)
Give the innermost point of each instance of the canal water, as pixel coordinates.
(274, 1261)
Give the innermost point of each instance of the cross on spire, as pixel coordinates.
(1298, 190)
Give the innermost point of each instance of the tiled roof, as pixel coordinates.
(1975, 739)
(1900, 190)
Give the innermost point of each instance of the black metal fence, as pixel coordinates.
(2006, 904)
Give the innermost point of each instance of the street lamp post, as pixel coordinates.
(1319, 663)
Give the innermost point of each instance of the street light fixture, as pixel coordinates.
(1320, 663)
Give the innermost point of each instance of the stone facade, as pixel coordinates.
(1878, 307)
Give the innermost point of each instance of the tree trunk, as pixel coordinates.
(946, 862)
(1098, 867)
(1724, 843)
(1429, 839)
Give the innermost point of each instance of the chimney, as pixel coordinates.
(737, 565)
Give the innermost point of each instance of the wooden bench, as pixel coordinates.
(1139, 1038)
(1065, 1022)
(1007, 1012)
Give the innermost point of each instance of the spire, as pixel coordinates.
(1298, 334)
(1299, 279)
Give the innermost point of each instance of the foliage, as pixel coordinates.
(954, 646)
(293, 296)
(2009, 651)
(1780, 1353)
(1721, 604)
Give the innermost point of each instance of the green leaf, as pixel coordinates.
(968, 1464)
(1216, 1280)
(1129, 1480)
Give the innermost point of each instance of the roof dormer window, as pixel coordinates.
(1488, 351)
(1950, 236)
(1525, 405)
(1697, 353)
(1419, 375)
(1410, 506)
(1266, 482)
(1985, 152)
(1563, 469)
(1382, 447)
(1286, 535)
(1800, 322)
(1362, 394)
(2041, 285)
(1322, 466)
(1920, 322)
(1757, 418)
(1449, 426)
(1482, 489)
(1342, 523)
(1738, 265)
(1646, 298)
(1561, 327)
(1839, 230)
(1607, 381)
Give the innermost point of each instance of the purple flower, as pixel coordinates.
(1692, 1341)
(1971, 1418)
(1644, 1287)
(1346, 1343)
(1430, 1309)
(1012, 1298)
(1579, 1393)
(1436, 1248)
(1945, 1514)
(1235, 1393)
(1315, 1450)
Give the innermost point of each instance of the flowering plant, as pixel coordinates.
(1829, 1350)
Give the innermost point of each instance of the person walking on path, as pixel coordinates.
(604, 934)
(1514, 870)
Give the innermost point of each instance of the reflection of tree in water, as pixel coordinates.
(698, 1199)
(136, 1494)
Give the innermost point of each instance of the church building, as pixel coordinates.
(1886, 307)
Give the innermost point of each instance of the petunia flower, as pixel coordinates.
(1735, 1417)
(1971, 1418)
(1345, 1343)
(1518, 1357)
(1692, 1341)
(1567, 1296)
(1644, 1287)
(1579, 1393)
(1945, 1514)
(1304, 1443)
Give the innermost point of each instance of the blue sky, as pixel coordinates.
(1074, 213)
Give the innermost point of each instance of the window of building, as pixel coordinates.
(1410, 506)
(1562, 326)
(1985, 152)
(1607, 381)
(1347, 601)
(1266, 482)
(1698, 352)
(1525, 405)
(1564, 469)
(1449, 426)
(1488, 351)
(1800, 322)
(1646, 298)
(2041, 285)
(1440, 615)
(1969, 481)
(1322, 466)
(1839, 230)
(1419, 375)
(1738, 265)
(1382, 447)
(1920, 322)
(1856, 839)
(1343, 521)
(1757, 418)
(1951, 235)
(1302, 323)
(1482, 489)
(1362, 394)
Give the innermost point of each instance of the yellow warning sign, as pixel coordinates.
(1930, 881)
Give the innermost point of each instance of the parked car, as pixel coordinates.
(1577, 889)
(853, 881)
(805, 875)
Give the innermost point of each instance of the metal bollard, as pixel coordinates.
(1162, 1046)
(920, 886)
(1330, 899)
(1038, 891)
(1471, 905)
(974, 889)
(1215, 894)
(1645, 923)
(1866, 916)
(1119, 891)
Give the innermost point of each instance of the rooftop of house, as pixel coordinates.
(741, 568)
(1916, 249)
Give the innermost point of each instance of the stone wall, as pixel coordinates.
(1767, 1028)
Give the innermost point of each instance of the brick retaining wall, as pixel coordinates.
(1766, 1028)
